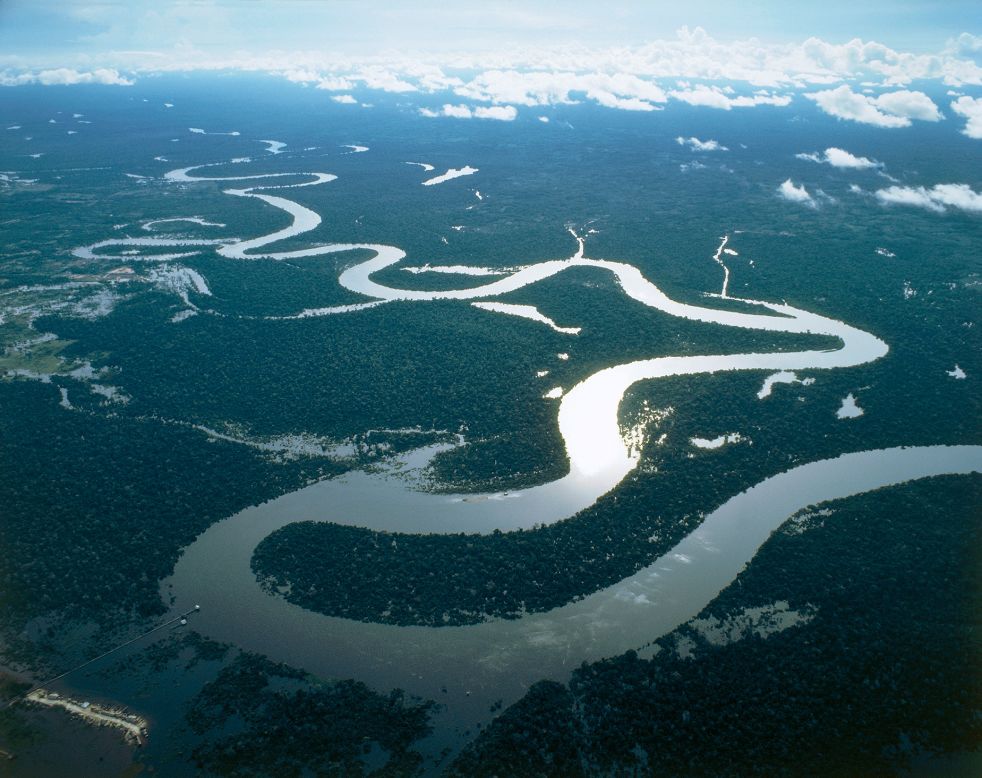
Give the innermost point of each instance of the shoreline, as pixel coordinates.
(133, 726)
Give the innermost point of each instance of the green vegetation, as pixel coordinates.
(265, 287)
(16, 731)
(96, 503)
(886, 669)
(187, 645)
(539, 735)
(261, 718)
(38, 358)
(119, 497)
(438, 365)
(460, 579)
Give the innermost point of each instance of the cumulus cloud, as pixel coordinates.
(859, 58)
(843, 103)
(971, 109)
(694, 54)
(504, 113)
(911, 105)
(453, 111)
(701, 145)
(965, 45)
(938, 198)
(840, 158)
(344, 99)
(330, 83)
(715, 97)
(608, 100)
(66, 77)
(796, 194)
(893, 109)
(521, 88)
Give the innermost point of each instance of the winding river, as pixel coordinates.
(469, 667)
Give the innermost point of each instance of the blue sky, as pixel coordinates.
(42, 31)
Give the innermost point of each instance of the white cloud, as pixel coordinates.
(893, 109)
(429, 77)
(701, 145)
(628, 72)
(911, 105)
(859, 59)
(744, 101)
(905, 195)
(457, 111)
(971, 109)
(541, 87)
(384, 79)
(840, 158)
(521, 88)
(330, 83)
(500, 112)
(843, 103)
(503, 113)
(965, 45)
(796, 194)
(710, 97)
(300, 75)
(937, 198)
(608, 100)
(619, 77)
(371, 77)
(715, 97)
(344, 99)
(66, 77)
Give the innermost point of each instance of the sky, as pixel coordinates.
(59, 32)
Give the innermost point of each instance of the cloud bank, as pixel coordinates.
(65, 77)
(690, 54)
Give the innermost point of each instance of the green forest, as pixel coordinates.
(883, 674)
